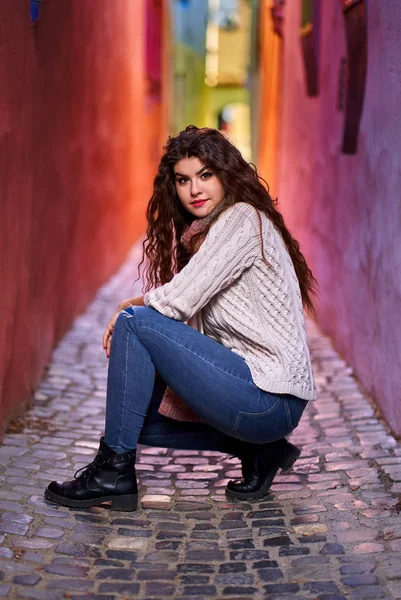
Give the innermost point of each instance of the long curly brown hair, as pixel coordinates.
(162, 250)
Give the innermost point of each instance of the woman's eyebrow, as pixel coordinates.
(197, 172)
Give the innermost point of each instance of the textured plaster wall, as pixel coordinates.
(74, 170)
(346, 210)
(267, 103)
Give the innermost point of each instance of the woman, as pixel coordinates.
(220, 258)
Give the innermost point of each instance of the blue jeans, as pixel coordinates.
(211, 379)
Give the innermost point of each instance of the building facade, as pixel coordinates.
(334, 136)
(80, 128)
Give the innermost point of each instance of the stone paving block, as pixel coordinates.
(49, 532)
(200, 590)
(66, 570)
(41, 594)
(156, 501)
(195, 568)
(34, 557)
(360, 579)
(332, 549)
(368, 548)
(70, 584)
(264, 564)
(371, 591)
(10, 527)
(312, 529)
(160, 589)
(26, 579)
(281, 588)
(155, 574)
(230, 590)
(321, 586)
(128, 543)
(269, 575)
(118, 588)
(194, 579)
(12, 506)
(36, 543)
(235, 578)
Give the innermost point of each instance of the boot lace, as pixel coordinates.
(88, 469)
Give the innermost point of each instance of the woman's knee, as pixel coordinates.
(133, 317)
(125, 320)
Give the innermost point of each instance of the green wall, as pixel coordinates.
(189, 88)
(218, 97)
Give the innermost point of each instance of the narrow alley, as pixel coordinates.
(329, 529)
(147, 129)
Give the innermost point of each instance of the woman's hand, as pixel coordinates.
(108, 332)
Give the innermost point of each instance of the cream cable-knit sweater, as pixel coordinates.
(231, 295)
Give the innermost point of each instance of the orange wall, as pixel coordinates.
(75, 170)
(269, 96)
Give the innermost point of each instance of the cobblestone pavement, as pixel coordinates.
(328, 530)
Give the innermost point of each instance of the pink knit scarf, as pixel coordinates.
(190, 231)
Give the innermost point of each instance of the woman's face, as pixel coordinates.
(198, 188)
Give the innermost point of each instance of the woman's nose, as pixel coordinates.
(195, 187)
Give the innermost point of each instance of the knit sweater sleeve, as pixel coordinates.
(230, 247)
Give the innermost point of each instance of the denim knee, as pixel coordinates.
(129, 310)
(134, 313)
(123, 319)
(127, 317)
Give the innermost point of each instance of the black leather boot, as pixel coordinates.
(110, 477)
(260, 463)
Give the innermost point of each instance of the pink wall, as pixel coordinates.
(75, 173)
(346, 210)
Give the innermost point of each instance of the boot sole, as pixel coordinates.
(263, 490)
(127, 502)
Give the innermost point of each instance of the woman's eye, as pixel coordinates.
(206, 175)
(181, 180)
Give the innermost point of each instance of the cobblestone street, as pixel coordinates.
(329, 529)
